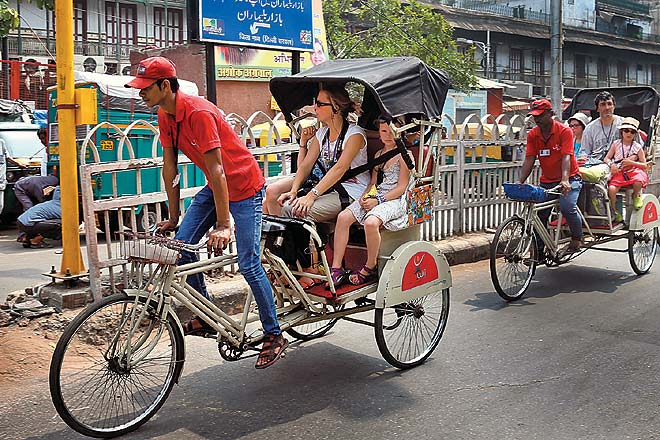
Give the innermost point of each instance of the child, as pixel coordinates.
(384, 207)
(628, 165)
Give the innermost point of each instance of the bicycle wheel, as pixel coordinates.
(642, 246)
(307, 332)
(512, 259)
(407, 333)
(97, 388)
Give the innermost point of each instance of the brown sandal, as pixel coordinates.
(271, 350)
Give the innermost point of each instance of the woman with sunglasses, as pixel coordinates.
(577, 124)
(627, 164)
(335, 148)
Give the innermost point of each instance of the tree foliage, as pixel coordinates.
(384, 28)
(9, 18)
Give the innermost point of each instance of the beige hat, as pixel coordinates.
(629, 123)
(581, 118)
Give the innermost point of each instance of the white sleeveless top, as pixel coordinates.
(354, 186)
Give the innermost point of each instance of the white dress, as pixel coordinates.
(393, 213)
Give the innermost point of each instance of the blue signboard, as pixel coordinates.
(274, 24)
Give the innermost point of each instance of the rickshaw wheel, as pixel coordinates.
(307, 332)
(407, 333)
(642, 246)
(513, 259)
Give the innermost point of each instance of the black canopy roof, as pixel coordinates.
(640, 103)
(393, 86)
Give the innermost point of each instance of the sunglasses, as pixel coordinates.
(322, 104)
(575, 125)
(628, 130)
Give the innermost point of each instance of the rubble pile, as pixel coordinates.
(21, 308)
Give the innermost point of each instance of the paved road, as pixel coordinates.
(578, 358)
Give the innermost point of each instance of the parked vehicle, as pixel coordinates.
(24, 149)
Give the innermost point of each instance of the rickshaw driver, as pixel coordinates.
(235, 185)
(552, 142)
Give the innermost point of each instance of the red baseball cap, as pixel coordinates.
(537, 107)
(151, 70)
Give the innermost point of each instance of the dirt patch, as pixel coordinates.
(26, 348)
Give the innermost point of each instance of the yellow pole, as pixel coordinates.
(66, 114)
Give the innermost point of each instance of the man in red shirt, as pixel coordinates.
(235, 185)
(552, 142)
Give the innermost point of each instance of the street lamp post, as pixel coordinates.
(485, 48)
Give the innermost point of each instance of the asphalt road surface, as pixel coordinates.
(577, 358)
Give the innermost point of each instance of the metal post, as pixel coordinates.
(488, 58)
(211, 92)
(556, 37)
(117, 30)
(295, 62)
(71, 257)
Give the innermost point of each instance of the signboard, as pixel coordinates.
(251, 64)
(275, 24)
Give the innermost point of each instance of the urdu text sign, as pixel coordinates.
(274, 24)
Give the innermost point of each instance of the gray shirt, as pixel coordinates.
(597, 138)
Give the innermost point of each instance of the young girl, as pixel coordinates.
(627, 164)
(387, 207)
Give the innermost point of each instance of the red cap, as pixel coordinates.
(151, 70)
(537, 107)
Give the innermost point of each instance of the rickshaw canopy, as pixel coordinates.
(639, 102)
(393, 86)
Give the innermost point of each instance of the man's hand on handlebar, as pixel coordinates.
(166, 226)
(565, 186)
(218, 239)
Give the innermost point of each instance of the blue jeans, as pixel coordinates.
(201, 216)
(567, 205)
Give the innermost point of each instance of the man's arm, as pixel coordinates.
(170, 172)
(527, 167)
(219, 237)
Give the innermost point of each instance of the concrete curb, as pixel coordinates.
(229, 293)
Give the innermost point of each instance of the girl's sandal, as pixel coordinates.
(271, 350)
(339, 276)
(196, 326)
(363, 275)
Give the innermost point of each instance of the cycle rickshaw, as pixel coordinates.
(117, 361)
(515, 254)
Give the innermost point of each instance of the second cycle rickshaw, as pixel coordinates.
(516, 247)
(118, 360)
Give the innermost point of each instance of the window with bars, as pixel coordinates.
(121, 25)
(603, 69)
(80, 20)
(580, 66)
(516, 61)
(622, 73)
(538, 63)
(168, 30)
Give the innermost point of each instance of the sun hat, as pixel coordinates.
(581, 118)
(151, 70)
(629, 123)
(537, 107)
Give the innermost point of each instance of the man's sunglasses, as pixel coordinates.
(322, 104)
(628, 130)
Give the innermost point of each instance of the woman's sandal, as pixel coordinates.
(363, 275)
(271, 350)
(196, 326)
(339, 276)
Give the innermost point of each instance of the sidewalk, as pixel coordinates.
(229, 292)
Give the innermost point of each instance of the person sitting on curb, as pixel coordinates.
(42, 220)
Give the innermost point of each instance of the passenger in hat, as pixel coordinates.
(552, 142)
(627, 164)
(577, 124)
(196, 127)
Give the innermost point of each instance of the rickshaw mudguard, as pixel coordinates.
(647, 217)
(415, 269)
